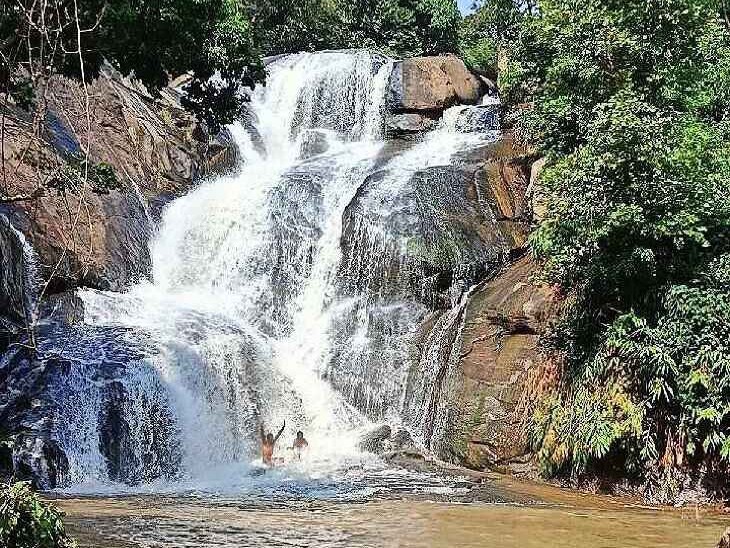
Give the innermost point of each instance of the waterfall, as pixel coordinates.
(294, 289)
(18, 276)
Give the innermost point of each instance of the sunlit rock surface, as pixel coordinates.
(433, 83)
(499, 348)
(82, 238)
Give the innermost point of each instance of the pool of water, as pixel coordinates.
(184, 522)
(385, 507)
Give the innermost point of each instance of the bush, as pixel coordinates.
(26, 522)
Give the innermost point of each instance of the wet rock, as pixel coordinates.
(490, 86)
(402, 439)
(400, 125)
(14, 312)
(411, 459)
(313, 142)
(424, 241)
(249, 121)
(375, 440)
(474, 119)
(25, 418)
(115, 437)
(136, 456)
(39, 460)
(432, 84)
(433, 235)
(499, 349)
(65, 307)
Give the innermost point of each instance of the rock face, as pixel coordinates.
(502, 179)
(31, 453)
(499, 345)
(432, 83)
(409, 123)
(13, 287)
(156, 150)
(382, 439)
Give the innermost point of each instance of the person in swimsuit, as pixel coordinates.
(300, 444)
(267, 445)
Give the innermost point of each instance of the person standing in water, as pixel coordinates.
(300, 444)
(267, 445)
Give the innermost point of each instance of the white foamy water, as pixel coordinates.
(254, 313)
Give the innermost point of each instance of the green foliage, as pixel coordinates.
(394, 27)
(304, 25)
(630, 104)
(152, 39)
(77, 171)
(26, 522)
(575, 430)
(477, 49)
(493, 23)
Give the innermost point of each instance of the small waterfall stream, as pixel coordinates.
(322, 283)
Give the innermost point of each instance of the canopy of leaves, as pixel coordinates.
(630, 105)
(492, 25)
(150, 39)
(395, 27)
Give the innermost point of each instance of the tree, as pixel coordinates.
(394, 27)
(150, 39)
(493, 24)
(630, 107)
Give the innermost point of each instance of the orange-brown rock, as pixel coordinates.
(502, 180)
(433, 83)
(499, 346)
(155, 149)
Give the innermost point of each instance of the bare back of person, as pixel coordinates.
(268, 441)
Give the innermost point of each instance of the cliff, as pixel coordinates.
(81, 235)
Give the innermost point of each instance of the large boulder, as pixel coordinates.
(498, 350)
(432, 83)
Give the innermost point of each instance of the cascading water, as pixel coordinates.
(297, 289)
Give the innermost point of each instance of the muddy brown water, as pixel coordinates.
(502, 513)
